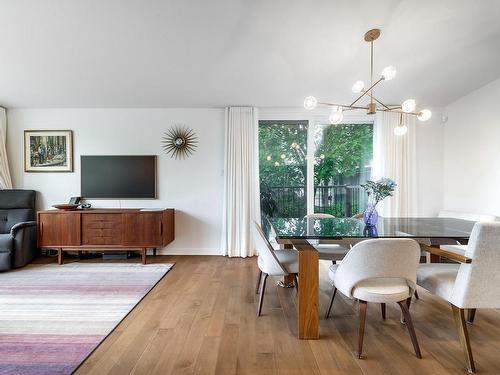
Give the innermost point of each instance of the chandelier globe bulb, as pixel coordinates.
(389, 73)
(358, 86)
(424, 115)
(336, 116)
(310, 103)
(401, 130)
(408, 105)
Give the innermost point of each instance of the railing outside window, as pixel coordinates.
(338, 200)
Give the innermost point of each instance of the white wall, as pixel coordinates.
(192, 186)
(472, 152)
(430, 136)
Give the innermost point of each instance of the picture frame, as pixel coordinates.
(48, 151)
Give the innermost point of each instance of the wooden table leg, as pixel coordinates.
(433, 258)
(143, 255)
(308, 306)
(59, 256)
(288, 281)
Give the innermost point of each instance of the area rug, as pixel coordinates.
(52, 317)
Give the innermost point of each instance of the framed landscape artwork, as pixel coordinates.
(48, 151)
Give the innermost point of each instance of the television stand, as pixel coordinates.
(105, 230)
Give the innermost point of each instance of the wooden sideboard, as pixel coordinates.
(105, 230)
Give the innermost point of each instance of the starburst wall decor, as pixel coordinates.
(179, 142)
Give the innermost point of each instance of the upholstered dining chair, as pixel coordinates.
(458, 248)
(379, 271)
(327, 251)
(272, 263)
(468, 286)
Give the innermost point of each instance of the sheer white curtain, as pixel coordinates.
(241, 182)
(395, 157)
(5, 180)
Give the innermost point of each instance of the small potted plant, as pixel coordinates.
(376, 191)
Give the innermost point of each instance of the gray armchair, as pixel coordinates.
(17, 228)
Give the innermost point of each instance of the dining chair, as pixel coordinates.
(458, 248)
(272, 262)
(378, 271)
(327, 251)
(468, 286)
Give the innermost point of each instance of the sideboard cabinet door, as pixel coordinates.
(59, 229)
(143, 229)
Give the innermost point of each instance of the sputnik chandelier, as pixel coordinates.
(375, 105)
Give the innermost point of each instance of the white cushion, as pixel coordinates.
(382, 290)
(457, 249)
(289, 259)
(438, 278)
(378, 290)
(331, 251)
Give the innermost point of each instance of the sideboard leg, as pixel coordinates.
(59, 256)
(143, 255)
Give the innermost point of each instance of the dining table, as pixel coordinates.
(302, 233)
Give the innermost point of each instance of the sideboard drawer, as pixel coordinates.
(102, 229)
(101, 220)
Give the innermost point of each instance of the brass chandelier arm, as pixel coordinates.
(342, 105)
(366, 91)
(400, 111)
(379, 102)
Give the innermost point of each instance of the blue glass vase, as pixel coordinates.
(370, 215)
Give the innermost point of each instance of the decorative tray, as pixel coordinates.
(66, 206)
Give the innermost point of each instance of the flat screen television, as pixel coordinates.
(118, 177)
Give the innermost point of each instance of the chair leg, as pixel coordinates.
(408, 304)
(296, 281)
(459, 316)
(382, 308)
(416, 295)
(330, 304)
(409, 325)
(362, 320)
(262, 290)
(471, 314)
(259, 276)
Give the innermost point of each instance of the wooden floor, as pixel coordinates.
(200, 319)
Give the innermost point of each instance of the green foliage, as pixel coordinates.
(278, 139)
(379, 190)
(268, 204)
(342, 151)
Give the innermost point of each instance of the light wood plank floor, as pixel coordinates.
(200, 319)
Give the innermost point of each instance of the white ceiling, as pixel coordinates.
(206, 53)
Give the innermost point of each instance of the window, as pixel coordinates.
(283, 168)
(325, 177)
(342, 161)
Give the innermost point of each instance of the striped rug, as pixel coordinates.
(52, 317)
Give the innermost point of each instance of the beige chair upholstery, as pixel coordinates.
(468, 285)
(327, 251)
(379, 271)
(272, 263)
(460, 249)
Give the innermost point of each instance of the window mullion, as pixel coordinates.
(311, 149)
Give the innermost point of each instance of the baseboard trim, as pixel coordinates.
(180, 251)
